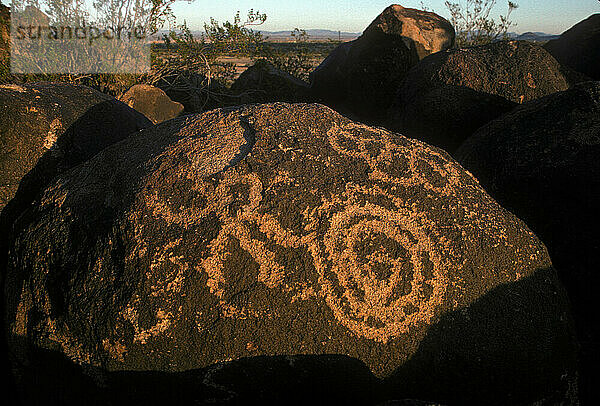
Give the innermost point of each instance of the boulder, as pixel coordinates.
(263, 82)
(152, 102)
(277, 229)
(195, 91)
(328, 79)
(423, 31)
(541, 162)
(445, 115)
(579, 47)
(47, 128)
(449, 95)
(370, 70)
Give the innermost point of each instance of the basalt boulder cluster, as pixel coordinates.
(450, 94)
(433, 242)
(363, 75)
(540, 161)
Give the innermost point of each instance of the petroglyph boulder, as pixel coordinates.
(285, 229)
(152, 102)
(449, 95)
(541, 162)
(371, 68)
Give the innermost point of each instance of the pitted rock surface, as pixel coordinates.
(450, 94)
(267, 230)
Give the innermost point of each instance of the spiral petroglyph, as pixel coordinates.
(382, 262)
(396, 283)
(378, 269)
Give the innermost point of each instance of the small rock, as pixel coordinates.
(152, 102)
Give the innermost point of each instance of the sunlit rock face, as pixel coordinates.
(363, 75)
(280, 229)
(152, 102)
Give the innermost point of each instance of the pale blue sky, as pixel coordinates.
(550, 16)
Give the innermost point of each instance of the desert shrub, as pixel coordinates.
(296, 61)
(474, 24)
(4, 44)
(183, 52)
(190, 66)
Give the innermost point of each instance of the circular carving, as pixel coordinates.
(379, 270)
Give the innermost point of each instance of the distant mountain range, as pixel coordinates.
(315, 34)
(533, 36)
(318, 34)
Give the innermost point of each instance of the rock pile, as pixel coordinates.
(363, 75)
(450, 94)
(541, 162)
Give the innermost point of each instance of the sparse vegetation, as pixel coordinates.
(183, 54)
(473, 21)
(474, 24)
(298, 60)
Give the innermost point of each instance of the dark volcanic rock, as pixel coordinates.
(328, 80)
(152, 102)
(365, 74)
(195, 91)
(445, 115)
(541, 162)
(262, 82)
(47, 128)
(270, 230)
(450, 94)
(579, 47)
